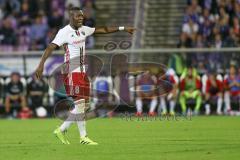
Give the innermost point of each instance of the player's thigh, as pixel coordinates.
(77, 85)
(196, 93)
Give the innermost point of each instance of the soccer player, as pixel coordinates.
(214, 89)
(15, 98)
(190, 86)
(146, 91)
(73, 37)
(171, 97)
(232, 88)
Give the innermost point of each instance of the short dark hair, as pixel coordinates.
(75, 9)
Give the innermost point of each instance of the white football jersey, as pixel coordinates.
(73, 41)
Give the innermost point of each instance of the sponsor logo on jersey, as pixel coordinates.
(83, 33)
(79, 41)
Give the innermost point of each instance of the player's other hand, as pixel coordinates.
(130, 29)
(39, 71)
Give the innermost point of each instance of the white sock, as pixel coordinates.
(79, 108)
(163, 105)
(207, 109)
(227, 101)
(70, 120)
(82, 128)
(139, 104)
(172, 105)
(153, 105)
(65, 125)
(219, 105)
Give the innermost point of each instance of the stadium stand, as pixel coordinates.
(162, 22)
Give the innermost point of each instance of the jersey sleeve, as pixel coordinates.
(88, 30)
(59, 38)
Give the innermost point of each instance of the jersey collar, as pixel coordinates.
(72, 28)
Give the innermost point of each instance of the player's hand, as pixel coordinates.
(39, 72)
(130, 29)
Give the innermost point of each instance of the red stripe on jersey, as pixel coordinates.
(67, 57)
(77, 33)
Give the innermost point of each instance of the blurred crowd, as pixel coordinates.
(31, 25)
(211, 24)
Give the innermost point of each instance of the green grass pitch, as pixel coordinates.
(202, 138)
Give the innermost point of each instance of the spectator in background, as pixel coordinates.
(33, 7)
(190, 86)
(199, 43)
(237, 9)
(15, 98)
(232, 88)
(184, 41)
(28, 33)
(206, 29)
(199, 60)
(232, 40)
(36, 90)
(216, 60)
(217, 17)
(23, 32)
(206, 16)
(195, 7)
(190, 29)
(208, 4)
(223, 22)
(215, 31)
(7, 35)
(11, 6)
(43, 5)
(190, 14)
(170, 97)
(88, 9)
(177, 62)
(214, 90)
(24, 16)
(38, 32)
(146, 92)
(218, 43)
(57, 5)
(56, 19)
(103, 97)
(236, 26)
(206, 25)
(23, 38)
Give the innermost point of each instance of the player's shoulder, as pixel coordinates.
(86, 27)
(65, 29)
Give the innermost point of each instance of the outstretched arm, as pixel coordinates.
(46, 54)
(105, 30)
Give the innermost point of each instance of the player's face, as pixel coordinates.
(77, 19)
(190, 72)
(232, 71)
(15, 78)
(212, 77)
